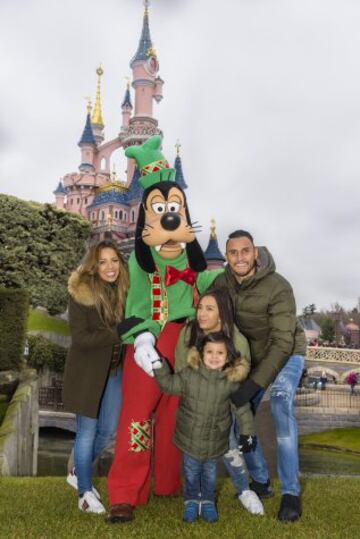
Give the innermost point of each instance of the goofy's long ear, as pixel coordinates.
(194, 252)
(142, 251)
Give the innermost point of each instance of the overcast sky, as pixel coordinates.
(264, 96)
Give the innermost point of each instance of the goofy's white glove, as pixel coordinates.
(145, 354)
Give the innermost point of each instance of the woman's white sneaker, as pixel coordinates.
(251, 502)
(72, 480)
(89, 503)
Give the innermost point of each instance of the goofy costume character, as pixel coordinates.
(166, 272)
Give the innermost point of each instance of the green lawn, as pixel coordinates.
(46, 508)
(41, 321)
(337, 439)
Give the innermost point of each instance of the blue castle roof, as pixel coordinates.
(113, 196)
(88, 136)
(60, 190)
(212, 251)
(179, 177)
(127, 99)
(145, 41)
(135, 191)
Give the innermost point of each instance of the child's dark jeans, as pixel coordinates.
(200, 478)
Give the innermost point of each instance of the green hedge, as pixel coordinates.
(43, 352)
(14, 307)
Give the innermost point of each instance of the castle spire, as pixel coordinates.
(179, 175)
(145, 42)
(87, 136)
(96, 118)
(127, 98)
(213, 255)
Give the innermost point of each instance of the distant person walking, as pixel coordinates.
(92, 381)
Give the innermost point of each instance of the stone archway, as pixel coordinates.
(330, 373)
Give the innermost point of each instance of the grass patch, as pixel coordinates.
(40, 321)
(3, 408)
(47, 508)
(339, 439)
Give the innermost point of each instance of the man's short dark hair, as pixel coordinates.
(240, 234)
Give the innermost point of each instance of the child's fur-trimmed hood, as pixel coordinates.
(80, 290)
(238, 372)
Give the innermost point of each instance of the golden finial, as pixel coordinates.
(128, 79)
(177, 146)
(97, 118)
(89, 105)
(146, 6)
(213, 229)
(151, 52)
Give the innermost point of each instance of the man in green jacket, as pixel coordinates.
(265, 312)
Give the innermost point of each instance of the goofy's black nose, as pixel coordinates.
(170, 221)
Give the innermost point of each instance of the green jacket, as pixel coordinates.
(203, 419)
(265, 312)
(182, 348)
(178, 297)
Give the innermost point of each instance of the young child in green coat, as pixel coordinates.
(204, 417)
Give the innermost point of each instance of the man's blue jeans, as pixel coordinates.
(199, 477)
(93, 435)
(234, 461)
(282, 394)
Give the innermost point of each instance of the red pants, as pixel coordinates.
(137, 441)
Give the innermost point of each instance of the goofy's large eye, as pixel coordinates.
(173, 207)
(159, 207)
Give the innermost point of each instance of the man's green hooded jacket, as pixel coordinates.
(265, 312)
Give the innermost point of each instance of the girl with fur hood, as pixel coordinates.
(214, 370)
(92, 380)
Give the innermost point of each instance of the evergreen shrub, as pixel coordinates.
(14, 307)
(43, 352)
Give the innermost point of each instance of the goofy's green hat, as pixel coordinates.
(150, 161)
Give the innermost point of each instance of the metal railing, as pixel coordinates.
(331, 396)
(51, 398)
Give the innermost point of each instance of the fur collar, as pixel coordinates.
(80, 290)
(236, 373)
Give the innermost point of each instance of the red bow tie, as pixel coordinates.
(173, 275)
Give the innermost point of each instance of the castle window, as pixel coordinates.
(116, 214)
(102, 215)
(132, 216)
(121, 215)
(78, 201)
(85, 200)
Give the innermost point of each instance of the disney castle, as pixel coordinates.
(94, 191)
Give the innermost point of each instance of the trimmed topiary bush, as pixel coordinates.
(14, 307)
(43, 352)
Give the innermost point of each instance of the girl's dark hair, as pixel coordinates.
(220, 337)
(226, 316)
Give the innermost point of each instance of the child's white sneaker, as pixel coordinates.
(72, 480)
(89, 503)
(251, 502)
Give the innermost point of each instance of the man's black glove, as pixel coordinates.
(244, 393)
(247, 443)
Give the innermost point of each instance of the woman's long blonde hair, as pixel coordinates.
(109, 299)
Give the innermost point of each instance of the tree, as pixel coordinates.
(39, 246)
(309, 310)
(328, 330)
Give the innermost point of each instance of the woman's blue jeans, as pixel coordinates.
(93, 435)
(282, 394)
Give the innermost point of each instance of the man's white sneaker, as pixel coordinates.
(89, 503)
(251, 502)
(72, 480)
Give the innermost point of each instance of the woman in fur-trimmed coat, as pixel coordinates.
(92, 380)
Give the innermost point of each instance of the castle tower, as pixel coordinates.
(60, 194)
(97, 121)
(126, 107)
(148, 87)
(213, 255)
